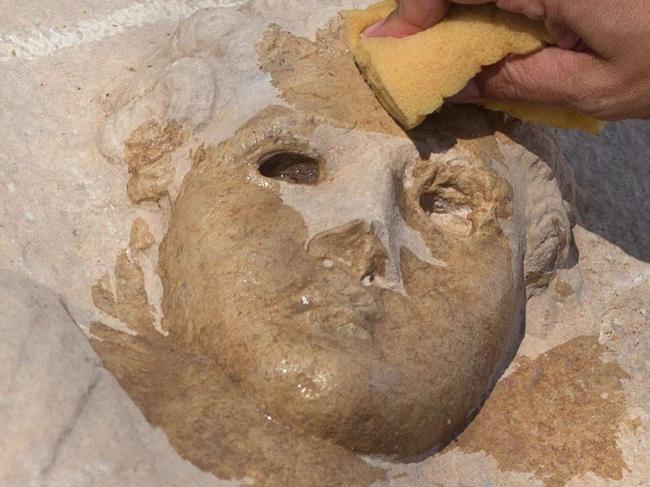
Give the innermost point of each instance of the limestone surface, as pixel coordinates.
(68, 226)
(66, 419)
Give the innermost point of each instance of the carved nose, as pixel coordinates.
(357, 222)
(354, 246)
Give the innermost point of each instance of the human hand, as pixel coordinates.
(599, 65)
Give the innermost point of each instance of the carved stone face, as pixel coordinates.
(358, 293)
(331, 284)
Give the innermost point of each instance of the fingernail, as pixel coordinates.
(469, 94)
(564, 37)
(372, 29)
(569, 41)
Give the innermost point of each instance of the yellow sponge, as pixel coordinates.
(412, 76)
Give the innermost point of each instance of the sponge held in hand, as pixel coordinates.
(413, 75)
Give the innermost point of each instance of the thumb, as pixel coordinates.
(410, 17)
(551, 77)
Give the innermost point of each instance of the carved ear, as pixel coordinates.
(550, 217)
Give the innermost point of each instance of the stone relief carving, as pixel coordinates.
(332, 286)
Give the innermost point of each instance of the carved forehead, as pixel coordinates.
(321, 76)
(278, 129)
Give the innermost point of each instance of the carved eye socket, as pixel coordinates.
(466, 199)
(448, 208)
(291, 167)
(444, 200)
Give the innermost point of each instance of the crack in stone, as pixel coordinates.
(70, 427)
(65, 307)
